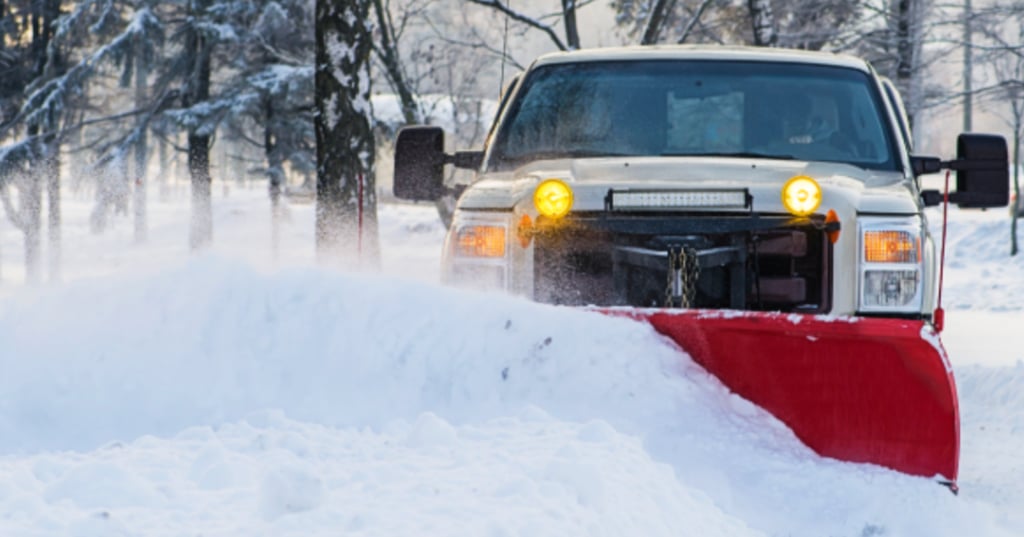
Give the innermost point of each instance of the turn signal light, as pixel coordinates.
(833, 235)
(801, 195)
(891, 247)
(553, 198)
(524, 231)
(480, 241)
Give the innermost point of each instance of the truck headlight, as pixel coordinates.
(890, 269)
(477, 251)
(480, 241)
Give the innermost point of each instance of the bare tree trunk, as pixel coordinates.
(1016, 176)
(656, 20)
(275, 177)
(906, 66)
(763, 22)
(904, 55)
(141, 149)
(31, 214)
(51, 169)
(164, 177)
(693, 21)
(387, 51)
(201, 228)
(346, 205)
(572, 34)
(968, 67)
(31, 192)
(197, 90)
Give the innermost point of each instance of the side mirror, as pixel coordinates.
(419, 163)
(983, 171)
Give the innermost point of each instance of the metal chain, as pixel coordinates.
(691, 271)
(670, 278)
(681, 277)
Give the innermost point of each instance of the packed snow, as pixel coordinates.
(243, 392)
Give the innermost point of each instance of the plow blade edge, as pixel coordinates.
(863, 390)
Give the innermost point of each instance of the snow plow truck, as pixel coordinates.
(761, 208)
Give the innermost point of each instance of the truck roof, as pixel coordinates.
(704, 52)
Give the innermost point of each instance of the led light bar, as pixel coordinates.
(693, 200)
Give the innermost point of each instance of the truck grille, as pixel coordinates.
(756, 262)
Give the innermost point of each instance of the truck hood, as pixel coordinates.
(845, 188)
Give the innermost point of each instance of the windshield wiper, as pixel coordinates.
(736, 154)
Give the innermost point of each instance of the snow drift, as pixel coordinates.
(214, 398)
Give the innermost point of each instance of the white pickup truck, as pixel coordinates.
(701, 177)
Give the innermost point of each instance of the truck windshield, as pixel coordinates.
(693, 108)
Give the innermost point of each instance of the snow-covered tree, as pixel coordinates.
(93, 37)
(346, 205)
(32, 162)
(274, 93)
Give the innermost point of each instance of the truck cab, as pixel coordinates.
(701, 177)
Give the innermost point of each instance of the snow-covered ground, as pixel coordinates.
(156, 393)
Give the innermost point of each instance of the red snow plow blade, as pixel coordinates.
(863, 390)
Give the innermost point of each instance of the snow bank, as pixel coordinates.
(213, 340)
(980, 273)
(276, 476)
(217, 399)
(992, 423)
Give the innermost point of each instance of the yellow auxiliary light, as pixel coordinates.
(553, 198)
(801, 195)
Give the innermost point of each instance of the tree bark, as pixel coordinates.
(968, 67)
(346, 205)
(655, 22)
(763, 22)
(1016, 175)
(907, 26)
(164, 177)
(275, 176)
(51, 169)
(51, 166)
(197, 90)
(141, 146)
(694, 20)
(201, 229)
(572, 34)
(31, 214)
